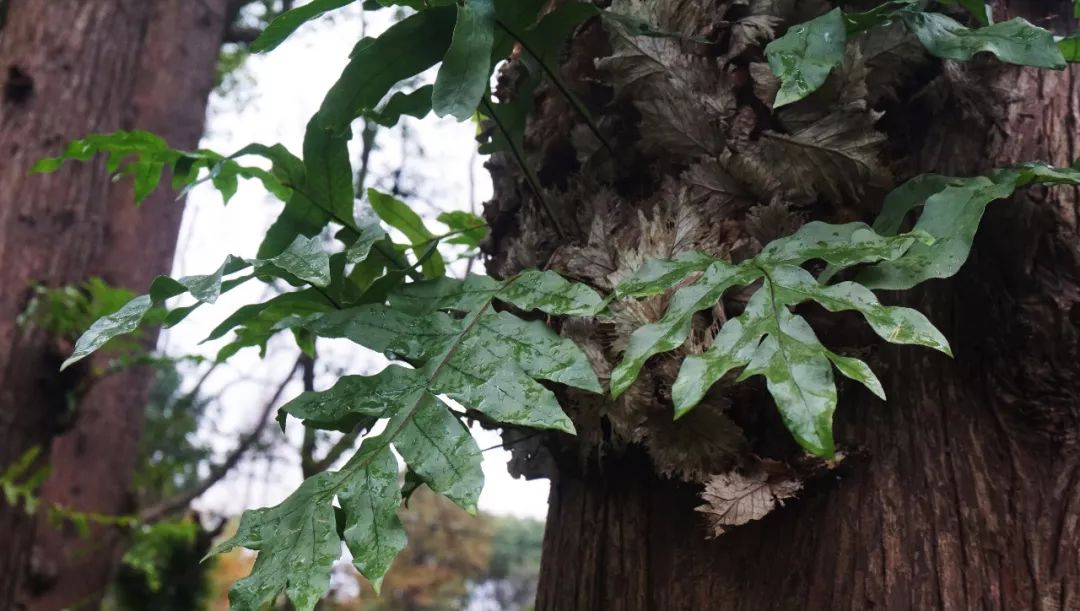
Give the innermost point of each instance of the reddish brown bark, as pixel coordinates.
(75, 68)
(94, 462)
(68, 69)
(961, 492)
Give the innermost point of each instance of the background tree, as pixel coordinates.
(166, 541)
(163, 569)
(450, 548)
(73, 68)
(509, 583)
(43, 45)
(458, 561)
(454, 561)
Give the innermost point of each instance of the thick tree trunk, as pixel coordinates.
(68, 68)
(961, 492)
(74, 68)
(176, 74)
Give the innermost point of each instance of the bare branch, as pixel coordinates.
(243, 35)
(335, 452)
(307, 448)
(180, 502)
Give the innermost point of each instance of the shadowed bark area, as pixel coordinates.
(961, 492)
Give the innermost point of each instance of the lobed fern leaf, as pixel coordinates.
(803, 57)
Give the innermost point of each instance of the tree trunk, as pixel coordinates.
(68, 69)
(75, 68)
(961, 492)
(177, 70)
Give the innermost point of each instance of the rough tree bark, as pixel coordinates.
(74, 68)
(68, 69)
(177, 69)
(961, 492)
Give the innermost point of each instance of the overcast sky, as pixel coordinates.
(285, 88)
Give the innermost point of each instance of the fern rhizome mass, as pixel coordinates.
(476, 342)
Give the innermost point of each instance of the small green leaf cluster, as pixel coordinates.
(66, 312)
(769, 340)
(145, 157)
(152, 545)
(303, 261)
(20, 482)
(803, 57)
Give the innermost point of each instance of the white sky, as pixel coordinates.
(286, 89)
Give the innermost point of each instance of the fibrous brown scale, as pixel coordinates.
(697, 160)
